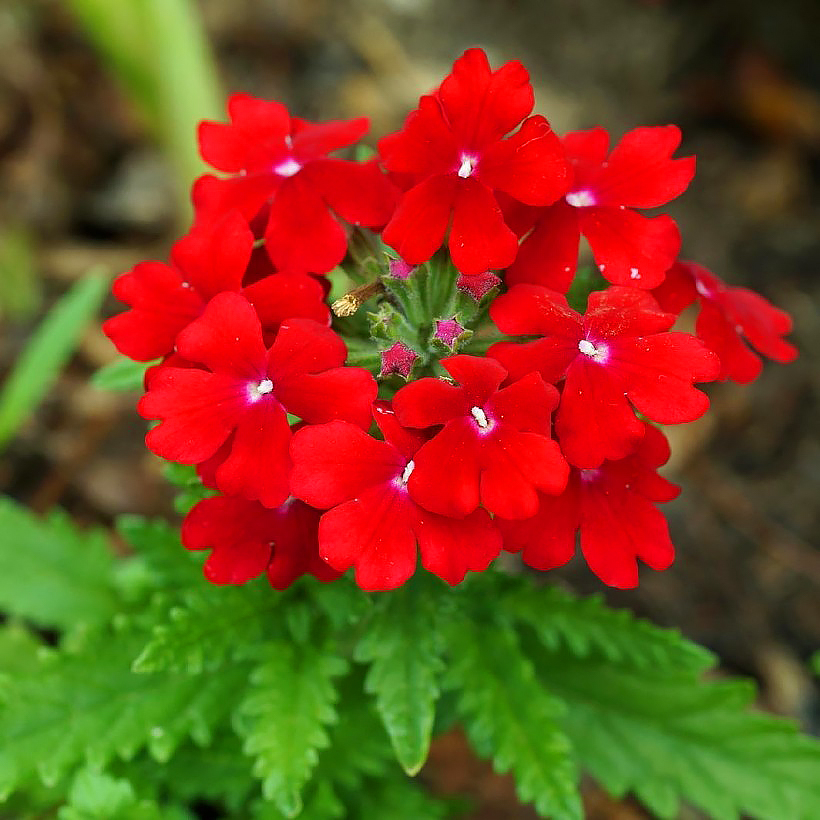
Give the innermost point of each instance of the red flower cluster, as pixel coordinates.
(460, 457)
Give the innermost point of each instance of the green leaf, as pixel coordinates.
(397, 799)
(87, 704)
(589, 628)
(403, 643)
(284, 715)
(670, 737)
(19, 287)
(95, 795)
(511, 717)
(51, 572)
(121, 375)
(48, 349)
(202, 632)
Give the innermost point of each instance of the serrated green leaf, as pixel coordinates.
(121, 375)
(284, 715)
(51, 572)
(403, 644)
(47, 351)
(397, 799)
(211, 624)
(157, 543)
(511, 717)
(95, 795)
(670, 737)
(89, 705)
(589, 628)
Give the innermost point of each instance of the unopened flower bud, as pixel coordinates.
(398, 359)
(399, 269)
(478, 286)
(448, 331)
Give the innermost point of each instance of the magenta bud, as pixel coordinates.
(398, 359)
(479, 285)
(399, 269)
(448, 331)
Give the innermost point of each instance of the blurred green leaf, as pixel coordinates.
(19, 288)
(121, 375)
(159, 53)
(49, 348)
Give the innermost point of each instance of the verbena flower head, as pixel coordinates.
(478, 391)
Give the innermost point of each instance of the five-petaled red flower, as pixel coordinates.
(247, 539)
(495, 446)
(629, 249)
(373, 523)
(613, 507)
(280, 165)
(615, 354)
(241, 391)
(453, 149)
(730, 320)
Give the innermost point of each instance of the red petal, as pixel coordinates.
(514, 465)
(359, 192)
(302, 346)
(478, 376)
(301, 234)
(283, 296)
(550, 357)
(336, 462)
(227, 338)
(549, 255)
(416, 230)
(214, 257)
(162, 307)
(343, 393)
(530, 165)
(534, 310)
(450, 547)
(762, 324)
(640, 172)
(372, 533)
(483, 105)
(404, 439)
(213, 197)
(479, 238)
(587, 147)
(445, 478)
(424, 146)
(619, 311)
(313, 141)
(428, 402)
(527, 404)
(198, 412)
(630, 249)
(677, 291)
(737, 362)
(258, 465)
(656, 373)
(594, 420)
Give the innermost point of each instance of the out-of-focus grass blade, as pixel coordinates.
(158, 51)
(19, 288)
(49, 348)
(120, 375)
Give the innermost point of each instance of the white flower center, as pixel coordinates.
(634, 273)
(480, 417)
(468, 164)
(599, 353)
(256, 391)
(287, 168)
(590, 474)
(702, 289)
(580, 199)
(408, 471)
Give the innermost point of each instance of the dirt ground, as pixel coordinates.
(82, 183)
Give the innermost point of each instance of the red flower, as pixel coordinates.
(454, 150)
(731, 319)
(629, 249)
(495, 446)
(247, 539)
(240, 389)
(613, 508)
(613, 355)
(280, 163)
(164, 299)
(373, 524)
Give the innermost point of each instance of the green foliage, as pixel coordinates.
(588, 628)
(49, 348)
(19, 289)
(52, 573)
(668, 736)
(121, 375)
(510, 716)
(158, 52)
(95, 795)
(404, 644)
(283, 717)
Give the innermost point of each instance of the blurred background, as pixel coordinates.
(98, 104)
